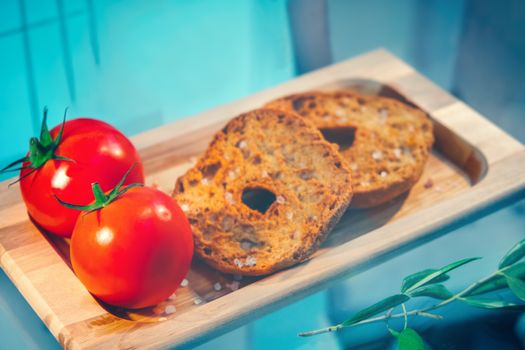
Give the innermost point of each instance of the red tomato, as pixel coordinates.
(99, 153)
(135, 251)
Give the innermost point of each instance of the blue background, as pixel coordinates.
(141, 64)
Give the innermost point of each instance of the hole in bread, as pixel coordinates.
(210, 170)
(258, 198)
(344, 136)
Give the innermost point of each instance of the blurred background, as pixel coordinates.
(141, 64)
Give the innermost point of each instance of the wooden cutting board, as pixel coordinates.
(475, 168)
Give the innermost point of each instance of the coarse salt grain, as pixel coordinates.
(205, 181)
(238, 262)
(383, 114)
(217, 286)
(251, 261)
(340, 112)
(364, 183)
(354, 166)
(234, 285)
(264, 173)
(377, 155)
(232, 174)
(246, 245)
(383, 174)
(170, 309)
(229, 197)
(280, 199)
(185, 207)
(296, 234)
(184, 283)
(242, 144)
(197, 301)
(289, 215)
(397, 152)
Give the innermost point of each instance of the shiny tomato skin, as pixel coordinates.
(101, 154)
(134, 252)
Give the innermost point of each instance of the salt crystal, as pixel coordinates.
(217, 286)
(234, 285)
(238, 262)
(184, 283)
(289, 215)
(383, 173)
(383, 114)
(354, 166)
(251, 261)
(242, 144)
(197, 301)
(185, 207)
(205, 181)
(232, 174)
(280, 200)
(229, 197)
(264, 173)
(170, 309)
(296, 234)
(397, 152)
(377, 155)
(364, 183)
(340, 112)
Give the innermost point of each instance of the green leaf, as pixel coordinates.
(437, 291)
(432, 277)
(513, 255)
(409, 281)
(492, 304)
(495, 283)
(409, 339)
(499, 281)
(378, 307)
(516, 285)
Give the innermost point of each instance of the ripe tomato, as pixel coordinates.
(135, 251)
(88, 150)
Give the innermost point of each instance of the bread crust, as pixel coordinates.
(264, 152)
(391, 140)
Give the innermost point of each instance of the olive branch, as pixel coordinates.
(428, 283)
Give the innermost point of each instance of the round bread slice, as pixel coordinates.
(386, 142)
(265, 193)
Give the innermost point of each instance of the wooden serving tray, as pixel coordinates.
(474, 168)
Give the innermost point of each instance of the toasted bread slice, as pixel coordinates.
(386, 142)
(265, 194)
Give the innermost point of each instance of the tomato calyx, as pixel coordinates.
(102, 199)
(40, 150)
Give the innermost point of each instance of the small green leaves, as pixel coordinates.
(378, 307)
(516, 285)
(513, 255)
(431, 278)
(102, 199)
(494, 283)
(436, 291)
(409, 339)
(409, 281)
(492, 304)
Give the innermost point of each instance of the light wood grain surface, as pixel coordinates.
(474, 166)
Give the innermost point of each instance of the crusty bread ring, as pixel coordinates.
(386, 142)
(265, 194)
